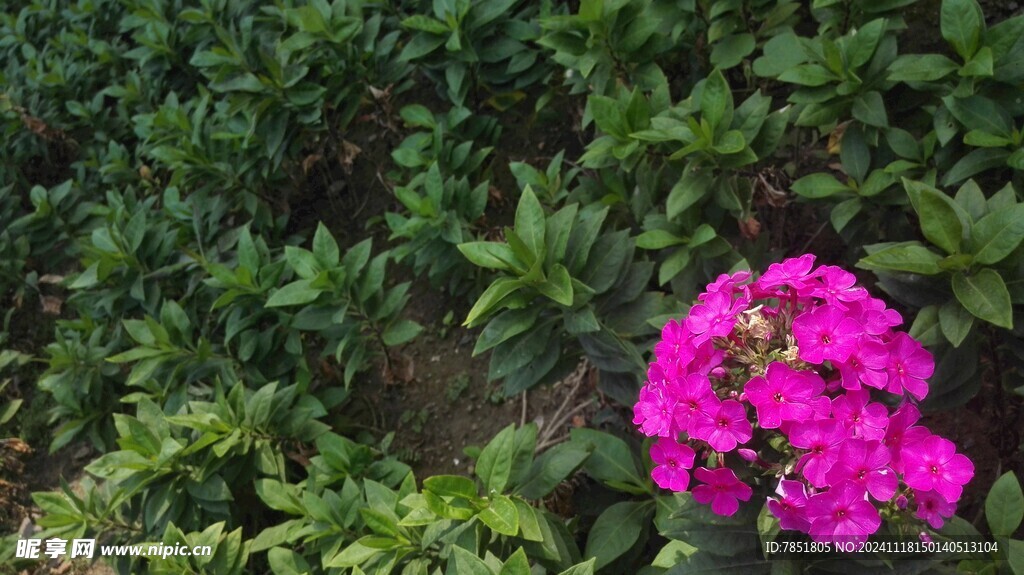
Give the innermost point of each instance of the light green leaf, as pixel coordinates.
(298, 292)
(962, 24)
(401, 331)
(819, 185)
(904, 257)
(921, 68)
(501, 515)
(529, 224)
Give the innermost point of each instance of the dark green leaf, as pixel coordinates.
(996, 235)
(985, 295)
(616, 530)
(956, 322)
(1004, 505)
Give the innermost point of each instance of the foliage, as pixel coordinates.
(189, 177)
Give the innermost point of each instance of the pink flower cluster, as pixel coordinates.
(796, 373)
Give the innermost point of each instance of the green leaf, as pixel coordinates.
(962, 24)
(870, 109)
(298, 292)
(854, 155)
(690, 189)
(287, 562)
(731, 50)
(501, 515)
(985, 295)
(325, 248)
(1015, 556)
(551, 468)
(844, 212)
(558, 286)
(616, 530)
(980, 65)
(466, 563)
(981, 139)
(490, 255)
(996, 235)
(716, 104)
(425, 24)
(673, 265)
(926, 328)
(516, 564)
(819, 185)
(980, 113)
(494, 466)
(401, 331)
(658, 239)
(781, 53)
(451, 486)
(903, 257)
(810, 75)
(1004, 505)
(529, 224)
(940, 221)
(975, 162)
(418, 116)
(504, 326)
(921, 68)
(490, 299)
(731, 142)
(956, 322)
(611, 459)
(586, 568)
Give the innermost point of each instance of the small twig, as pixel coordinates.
(813, 237)
(522, 415)
(547, 442)
(547, 431)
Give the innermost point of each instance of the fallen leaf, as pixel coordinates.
(51, 304)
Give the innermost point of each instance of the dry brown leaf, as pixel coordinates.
(51, 304)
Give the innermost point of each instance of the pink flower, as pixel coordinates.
(909, 366)
(674, 346)
(821, 439)
(726, 283)
(865, 420)
(723, 490)
(933, 508)
(901, 432)
(837, 287)
(715, 317)
(727, 427)
(783, 394)
(842, 513)
(934, 464)
(866, 365)
(790, 505)
(655, 412)
(673, 460)
(792, 272)
(874, 316)
(695, 398)
(865, 463)
(825, 333)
